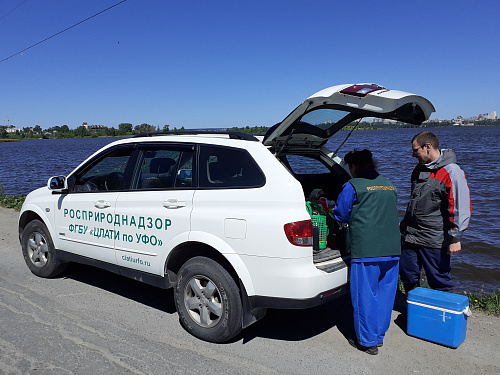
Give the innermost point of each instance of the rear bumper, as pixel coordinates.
(290, 303)
(295, 282)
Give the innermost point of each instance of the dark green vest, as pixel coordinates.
(374, 225)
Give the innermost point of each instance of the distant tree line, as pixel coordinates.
(123, 130)
(127, 129)
(426, 124)
(249, 130)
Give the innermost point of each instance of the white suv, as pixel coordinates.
(221, 218)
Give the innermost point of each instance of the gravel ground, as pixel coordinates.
(92, 322)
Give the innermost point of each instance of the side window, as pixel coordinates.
(304, 165)
(223, 167)
(163, 167)
(105, 174)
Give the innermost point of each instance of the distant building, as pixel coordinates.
(381, 121)
(493, 115)
(12, 129)
(93, 127)
(458, 121)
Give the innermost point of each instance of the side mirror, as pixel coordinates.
(57, 184)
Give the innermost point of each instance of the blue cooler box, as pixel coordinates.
(437, 316)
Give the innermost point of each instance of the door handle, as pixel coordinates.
(102, 204)
(173, 203)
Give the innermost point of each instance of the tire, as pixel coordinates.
(208, 301)
(39, 252)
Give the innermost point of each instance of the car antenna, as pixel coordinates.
(346, 138)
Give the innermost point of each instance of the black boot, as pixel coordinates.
(372, 350)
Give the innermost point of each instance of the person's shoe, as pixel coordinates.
(380, 344)
(372, 350)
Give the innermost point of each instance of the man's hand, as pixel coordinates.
(455, 247)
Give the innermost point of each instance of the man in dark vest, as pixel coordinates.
(367, 206)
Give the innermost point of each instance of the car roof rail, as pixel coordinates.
(232, 135)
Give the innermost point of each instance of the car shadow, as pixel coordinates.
(278, 324)
(298, 325)
(145, 294)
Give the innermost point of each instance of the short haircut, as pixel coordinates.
(362, 159)
(423, 138)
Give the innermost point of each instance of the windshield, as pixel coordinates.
(324, 118)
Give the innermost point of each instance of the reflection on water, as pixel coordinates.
(28, 164)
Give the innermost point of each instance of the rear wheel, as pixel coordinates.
(208, 300)
(38, 251)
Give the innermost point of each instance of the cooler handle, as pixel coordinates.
(467, 311)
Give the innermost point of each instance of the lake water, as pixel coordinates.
(27, 165)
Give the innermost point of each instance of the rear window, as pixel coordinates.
(324, 118)
(225, 167)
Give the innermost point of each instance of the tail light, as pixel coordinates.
(300, 233)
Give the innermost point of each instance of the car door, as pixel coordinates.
(229, 201)
(85, 217)
(155, 213)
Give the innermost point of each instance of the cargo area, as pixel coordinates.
(321, 191)
(328, 237)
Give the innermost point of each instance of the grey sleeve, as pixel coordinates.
(459, 202)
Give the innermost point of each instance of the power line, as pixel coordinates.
(60, 32)
(13, 9)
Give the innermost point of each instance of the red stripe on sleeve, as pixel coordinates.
(442, 175)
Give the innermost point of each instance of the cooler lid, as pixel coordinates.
(444, 300)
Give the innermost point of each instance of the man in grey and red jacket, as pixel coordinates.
(436, 217)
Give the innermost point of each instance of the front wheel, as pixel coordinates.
(39, 252)
(208, 301)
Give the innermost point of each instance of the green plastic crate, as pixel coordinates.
(318, 220)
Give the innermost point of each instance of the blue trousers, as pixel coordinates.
(436, 264)
(373, 289)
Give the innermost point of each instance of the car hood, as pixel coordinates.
(323, 114)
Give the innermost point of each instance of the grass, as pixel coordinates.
(9, 201)
(488, 303)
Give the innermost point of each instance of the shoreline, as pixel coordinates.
(362, 126)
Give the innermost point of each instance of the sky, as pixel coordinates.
(213, 64)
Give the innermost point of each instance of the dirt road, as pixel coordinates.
(93, 322)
